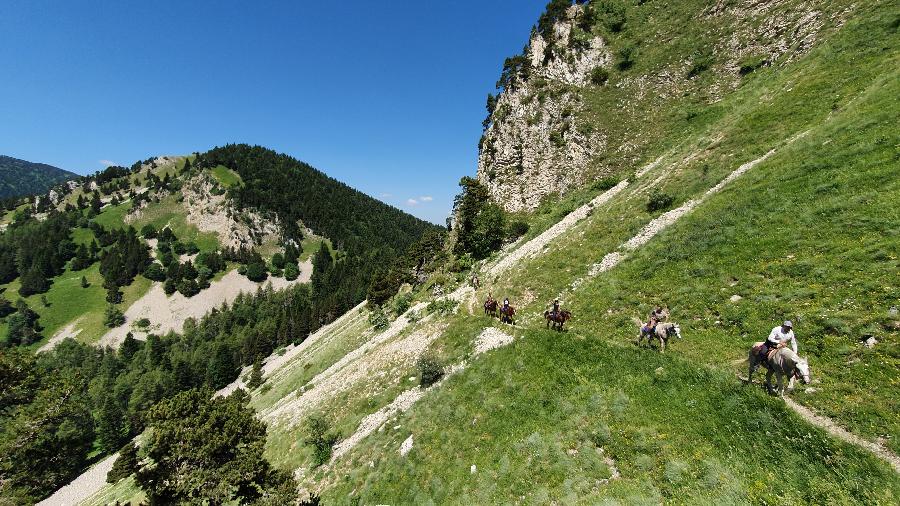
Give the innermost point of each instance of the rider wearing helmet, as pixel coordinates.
(555, 310)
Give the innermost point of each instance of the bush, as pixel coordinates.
(148, 231)
(113, 317)
(516, 229)
(256, 377)
(378, 319)
(430, 370)
(402, 303)
(599, 76)
(142, 323)
(257, 272)
(125, 465)
(626, 56)
(278, 261)
(659, 201)
(442, 307)
(291, 272)
(605, 184)
(613, 14)
(155, 272)
(321, 437)
(751, 63)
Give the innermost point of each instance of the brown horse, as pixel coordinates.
(557, 319)
(490, 308)
(506, 315)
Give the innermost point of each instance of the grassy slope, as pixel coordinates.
(810, 234)
(225, 176)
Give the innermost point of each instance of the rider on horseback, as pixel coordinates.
(657, 315)
(555, 310)
(505, 303)
(779, 338)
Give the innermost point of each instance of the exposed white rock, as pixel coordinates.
(533, 148)
(406, 446)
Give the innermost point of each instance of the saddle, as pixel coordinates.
(758, 348)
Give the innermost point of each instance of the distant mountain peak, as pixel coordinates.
(21, 177)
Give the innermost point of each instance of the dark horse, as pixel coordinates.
(490, 308)
(506, 314)
(557, 319)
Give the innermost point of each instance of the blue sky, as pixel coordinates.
(386, 96)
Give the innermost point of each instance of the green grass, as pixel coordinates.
(533, 417)
(168, 212)
(225, 176)
(70, 303)
(112, 217)
(124, 491)
(82, 236)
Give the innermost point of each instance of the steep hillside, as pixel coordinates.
(18, 177)
(760, 191)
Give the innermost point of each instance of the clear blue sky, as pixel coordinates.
(385, 96)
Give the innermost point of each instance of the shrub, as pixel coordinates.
(430, 370)
(321, 437)
(659, 201)
(125, 465)
(142, 323)
(155, 272)
(84, 282)
(700, 61)
(750, 63)
(626, 56)
(443, 307)
(113, 295)
(291, 272)
(613, 14)
(278, 261)
(605, 184)
(256, 272)
(516, 229)
(378, 319)
(148, 231)
(402, 303)
(113, 317)
(599, 76)
(256, 377)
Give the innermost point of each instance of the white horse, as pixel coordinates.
(783, 363)
(662, 332)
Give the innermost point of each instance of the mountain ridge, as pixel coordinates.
(20, 177)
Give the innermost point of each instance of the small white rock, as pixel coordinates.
(406, 446)
(735, 298)
(870, 342)
(473, 469)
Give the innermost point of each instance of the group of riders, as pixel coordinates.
(780, 337)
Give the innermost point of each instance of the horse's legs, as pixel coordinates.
(662, 345)
(790, 385)
(769, 380)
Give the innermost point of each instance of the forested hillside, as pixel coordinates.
(19, 177)
(733, 161)
(86, 262)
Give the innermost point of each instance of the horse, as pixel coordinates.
(490, 308)
(662, 332)
(783, 363)
(506, 314)
(557, 319)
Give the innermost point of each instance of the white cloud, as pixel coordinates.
(412, 202)
(108, 163)
(427, 198)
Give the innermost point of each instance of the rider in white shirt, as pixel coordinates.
(782, 334)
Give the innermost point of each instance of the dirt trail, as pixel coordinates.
(82, 487)
(490, 338)
(367, 359)
(61, 335)
(831, 427)
(273, 363)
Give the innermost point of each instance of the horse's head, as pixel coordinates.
(802, 370)
(675, 329)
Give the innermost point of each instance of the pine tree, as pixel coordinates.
(111, 430)
(113, 317)
(125, 465)
(84, 282)
(256, 377)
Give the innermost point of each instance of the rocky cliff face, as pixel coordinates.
(533, 146)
